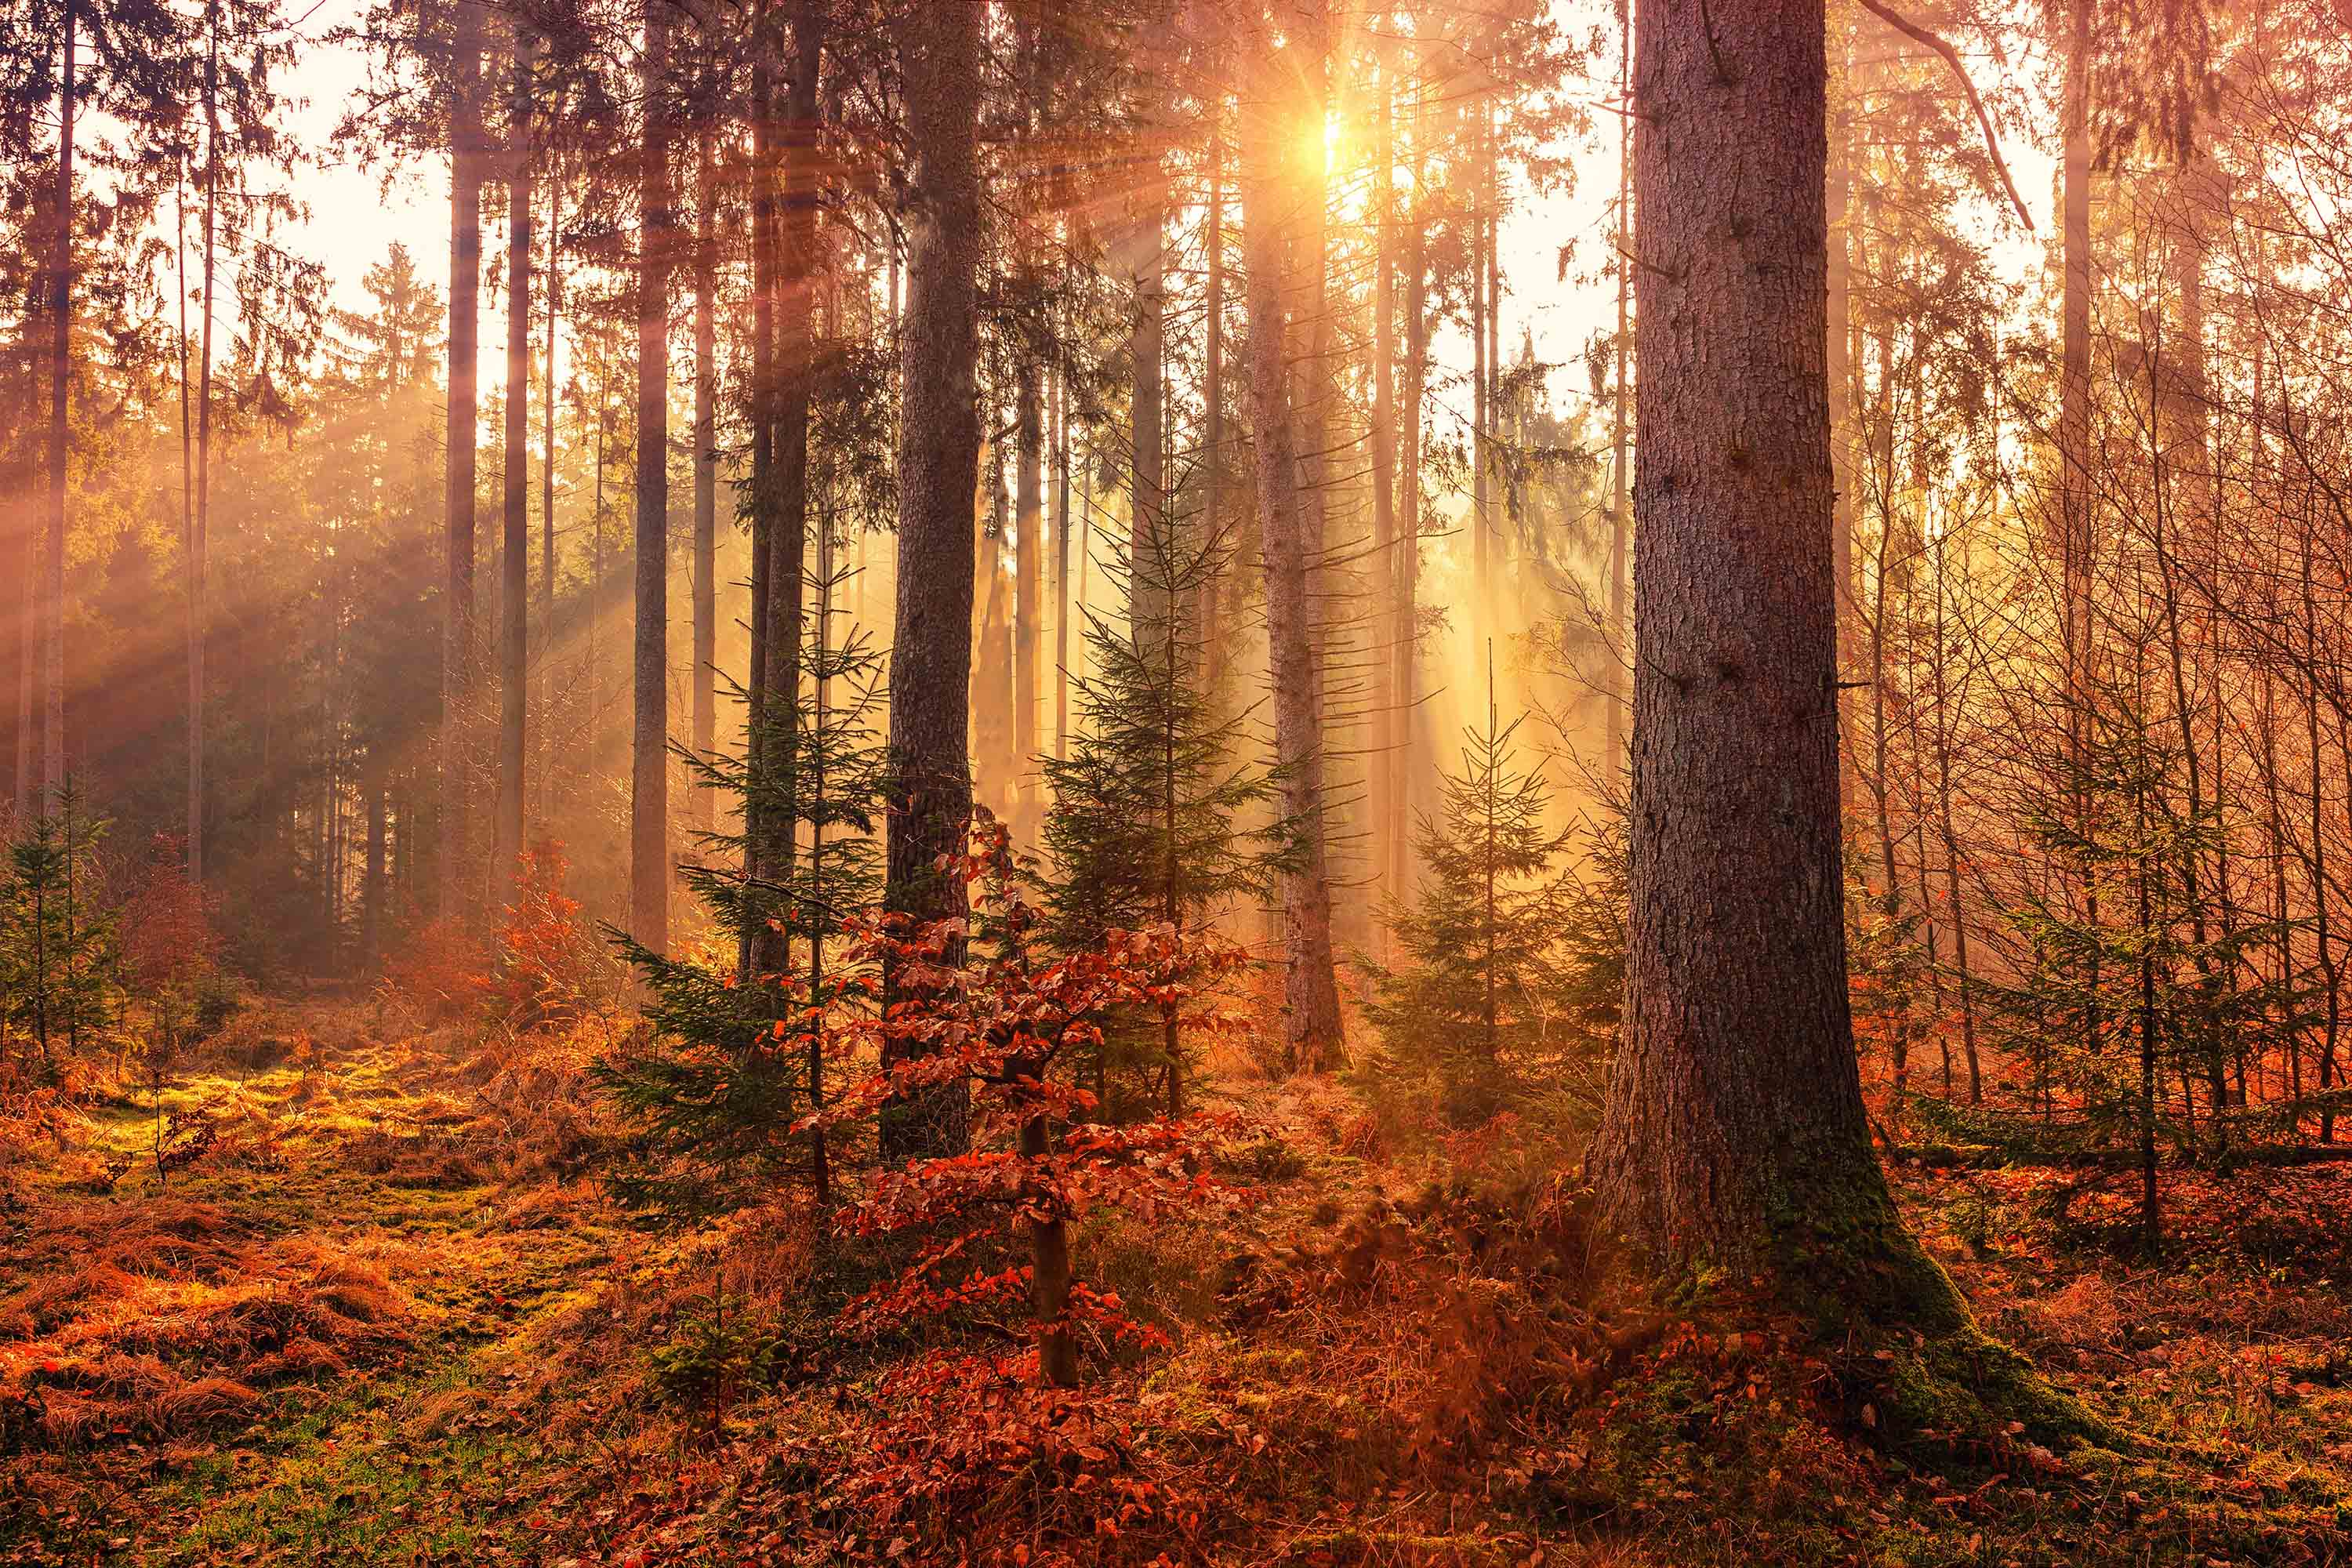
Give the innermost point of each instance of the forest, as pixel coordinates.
(1176, 782)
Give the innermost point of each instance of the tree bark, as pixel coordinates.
(465, 337)
(938, 469)
(704, 683)
(1312, 1033)
(649, 751)
(1734, 1131)
(61, 280)
(514, 560)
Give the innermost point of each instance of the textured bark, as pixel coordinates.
(649, 748)
(1029, 524)
(61, 280)
(2074, 370)
(704, 681)
(784, 500)
(514, 560)
(765, 270)
(1410, 760)
(543, 674)
(1621, 518)
(1061, 567)
(458, 496)
(938, 471)
(1734, 1128)
(1312, 1033)
(200, 527)
(1391, 717)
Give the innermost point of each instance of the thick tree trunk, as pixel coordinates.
(1734, 1131)
(649, 751)
(1312, 1035)
(939, 469)
(465, 337)
(514, 562)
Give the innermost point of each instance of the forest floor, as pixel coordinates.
(377, 1309)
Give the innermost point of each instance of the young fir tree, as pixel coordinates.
(1147, 821)
(57, 952)
(729, 1070)
(2131, 985)
(1507, 954)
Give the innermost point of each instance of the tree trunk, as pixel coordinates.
(465, 335)
(546, 641)
(514, 560)
(1312, 1036)
(1028, 522)
(939, 469)
(705, 680)
(1734, 1131)
(1062, 566)
(650, 753)
(1621, 519)
(1389, 775)
(61, 281)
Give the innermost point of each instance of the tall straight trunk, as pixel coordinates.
(2074, 379)
(514, 558)
(705, 680)
(61, 281)
(466, 158)
(1734, 1128)
(1062, 567)
(1405, 636)
(754, 951)
(1481, 566)
(1312, 1033)
(649, 751)
(1213, 400)
(1028, 522)
(785, 499)
(1955, 914)
(546, 641)
(373, 895)
(1150, 542)
(1621, 519)
(1840, 295)
(939, 49)
(1389, 774)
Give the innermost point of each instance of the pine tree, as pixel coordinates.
(731, 1066)
(1500, 972)
(57, 953)
(1146, 826)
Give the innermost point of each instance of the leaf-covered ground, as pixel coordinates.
(378, 1311)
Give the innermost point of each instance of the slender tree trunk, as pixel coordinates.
(1061, 567)
(547, 640)
(1389, 774)
(650, 753)
(754, 953)
(1313, 1039)
(706, 476)
(1406, 635)
(939, 49)
(514, 559)
(1028, 522)
(1621, 518)
(1734, 1128)
(1213, 400)
(464, 329)
(61, 283)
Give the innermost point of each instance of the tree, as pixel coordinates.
(1145, 827)
(939, 471)
(1490, 988)
(514, 559)
(649, 870)
(468, 156)
(1734, 1135)
(1313, 1034)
